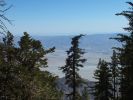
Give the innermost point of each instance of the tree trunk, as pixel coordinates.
(74, 83)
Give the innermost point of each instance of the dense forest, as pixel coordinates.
(21, 77)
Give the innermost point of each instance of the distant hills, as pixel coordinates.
(94, 42)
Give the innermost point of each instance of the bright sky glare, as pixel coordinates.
(66, 17)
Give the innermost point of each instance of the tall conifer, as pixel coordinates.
(73, 62)
(115, 74)
(102, 87)
(125, 55)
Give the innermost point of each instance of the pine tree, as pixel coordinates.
(115, 74)
(7, 64)
(73, 62)
(102, 87)
(20, 74)
(31, 57)
(125, 55)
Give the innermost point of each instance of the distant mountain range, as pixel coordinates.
(94, 42)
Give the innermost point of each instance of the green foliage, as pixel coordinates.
(7, 64)
(103, 87)
(115, 75)
(125, 56)
(46, 87)
(73, 62)
(20, 74)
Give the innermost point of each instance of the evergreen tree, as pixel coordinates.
(73, 62)
(115, 74)
(7, 64)
(20, 74)
(31, 57)
(102, 87)
(125, 55)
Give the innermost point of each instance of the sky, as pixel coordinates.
(66, 17)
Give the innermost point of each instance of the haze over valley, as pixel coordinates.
(96, 46)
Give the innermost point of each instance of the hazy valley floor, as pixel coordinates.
(96, 46)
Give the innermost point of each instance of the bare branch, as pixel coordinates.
(3, 18)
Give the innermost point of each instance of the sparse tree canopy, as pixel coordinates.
(73, 63)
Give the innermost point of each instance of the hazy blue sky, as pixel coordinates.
(58, 17)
